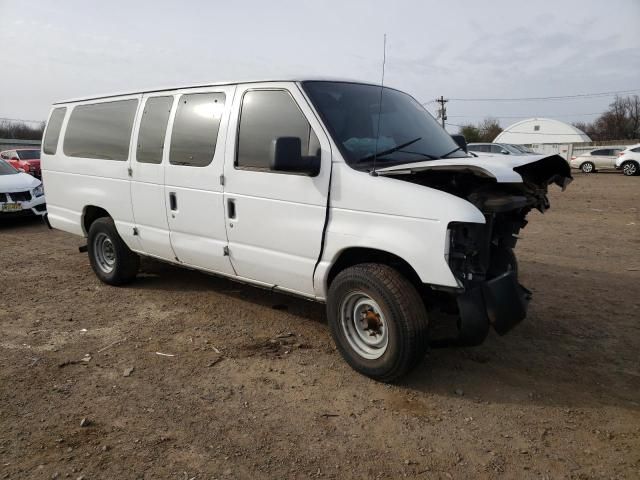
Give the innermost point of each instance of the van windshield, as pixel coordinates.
(354, 115)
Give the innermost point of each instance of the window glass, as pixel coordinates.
(599, 152)
(195, 129)
(50, 142)
(153, 127)
(28, 154)
(366, 120)
(637, 149)
(267, 115)
(101, 130)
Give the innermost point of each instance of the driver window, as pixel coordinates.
(265, 116)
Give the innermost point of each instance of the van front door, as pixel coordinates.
(147, 176)
(275, 220)
(193, 187)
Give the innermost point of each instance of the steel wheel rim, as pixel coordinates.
(364, 325)
(629, 169)
(587, 167)
(104, 252)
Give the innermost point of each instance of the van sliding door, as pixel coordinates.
(147, 176)
(193, 186)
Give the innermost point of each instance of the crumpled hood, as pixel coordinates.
(18, 182)
(504, 168)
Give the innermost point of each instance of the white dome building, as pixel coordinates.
(538, 131)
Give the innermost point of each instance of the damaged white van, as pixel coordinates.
(342, 192)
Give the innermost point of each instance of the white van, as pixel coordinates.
(341, 192)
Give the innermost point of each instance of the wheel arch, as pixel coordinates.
(90, 213)
(351, 256)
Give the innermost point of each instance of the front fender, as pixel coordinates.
(398, 217)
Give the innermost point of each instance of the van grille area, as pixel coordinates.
(15, 196)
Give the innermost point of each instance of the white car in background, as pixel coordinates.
(20, 193)
(629, 160)
(599, 159)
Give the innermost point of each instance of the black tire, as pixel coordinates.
(630, 168)
(122, 264)
(588, 167)
(403, 314)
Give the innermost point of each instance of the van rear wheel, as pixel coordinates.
(378, 321)
(112, 261)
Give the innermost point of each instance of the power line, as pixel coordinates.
(528, 115)
(557, 97)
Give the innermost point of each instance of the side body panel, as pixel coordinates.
(72, 183)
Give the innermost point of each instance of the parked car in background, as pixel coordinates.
(523, 149)
(629, 160)
(599, 159)
(495, 148)
(27, 159)
(20, 193)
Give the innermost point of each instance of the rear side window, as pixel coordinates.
(599, 152)
(153, 127)
(195, 129)
(101, 130)
(637, 149)
(50, 142)
(267, 115)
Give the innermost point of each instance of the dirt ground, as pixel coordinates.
(250, 385)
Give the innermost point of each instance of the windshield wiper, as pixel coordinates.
(452, 151)
(387, 152)
(425, 155)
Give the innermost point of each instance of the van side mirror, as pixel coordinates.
(286, 156)
(461, 141)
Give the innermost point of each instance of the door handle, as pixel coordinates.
(173, 201)
(231, 208)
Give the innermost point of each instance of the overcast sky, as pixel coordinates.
(52, 50)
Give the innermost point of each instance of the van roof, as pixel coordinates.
(213, 84)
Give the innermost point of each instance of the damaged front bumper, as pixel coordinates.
(500, 302)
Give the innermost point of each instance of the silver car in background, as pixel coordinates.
(599, 159)
(496, 148)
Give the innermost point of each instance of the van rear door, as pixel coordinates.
(193, 187)
(275, 219)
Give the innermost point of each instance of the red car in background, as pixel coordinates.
(27, 159)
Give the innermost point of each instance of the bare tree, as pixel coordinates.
(620, 122)
(485, 131)
(19, 130)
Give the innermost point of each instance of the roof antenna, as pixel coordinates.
(375, 151)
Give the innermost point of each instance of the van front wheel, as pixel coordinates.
(112, 261)
(378, 321)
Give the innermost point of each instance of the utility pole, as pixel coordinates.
(442, 111)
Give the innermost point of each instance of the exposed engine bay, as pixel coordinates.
(481, 256)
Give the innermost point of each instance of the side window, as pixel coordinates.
(153, 127)
(599, 152)
(100, 130)
(496, 148)
(50, 142)
(195, 129)
(267, 115)
(636, 150)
